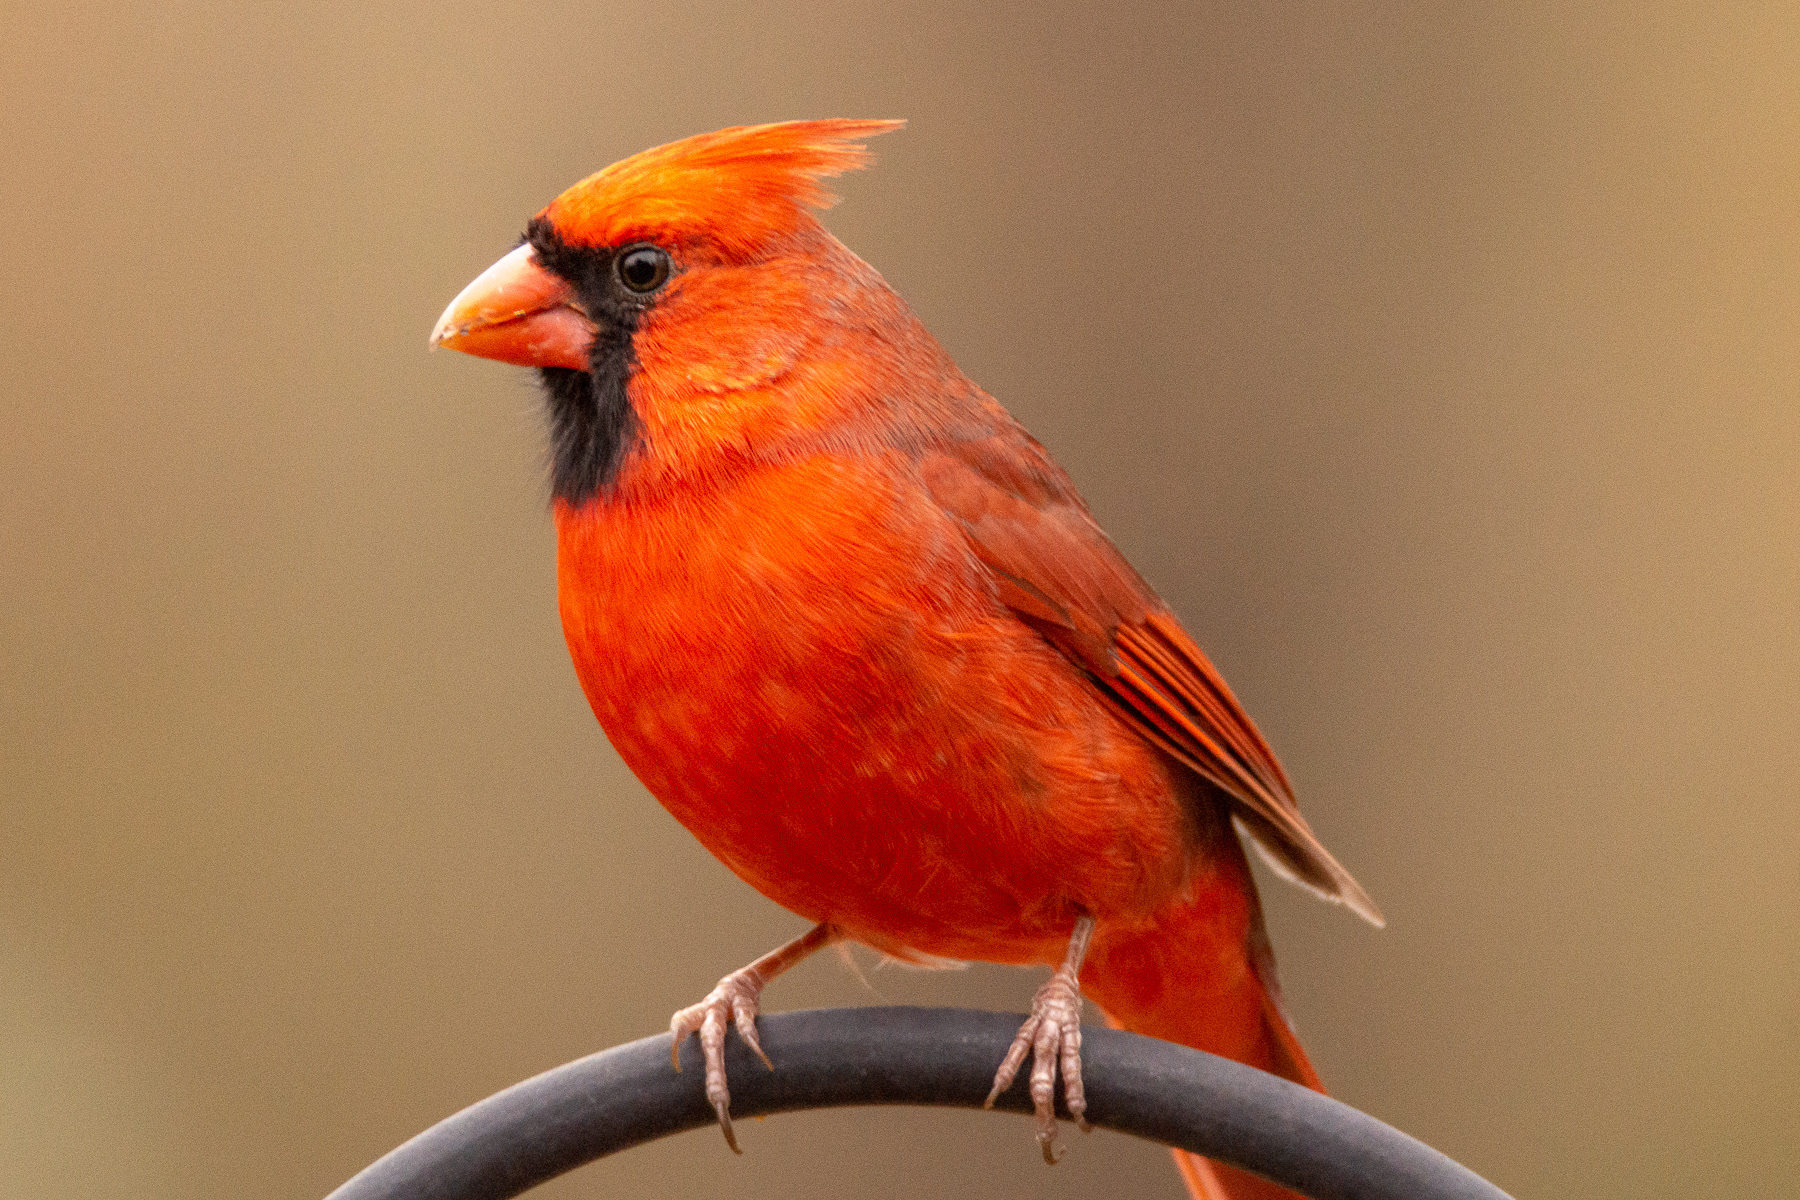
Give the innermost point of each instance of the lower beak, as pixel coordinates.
(517, 312)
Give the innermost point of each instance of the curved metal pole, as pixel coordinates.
(826, 1058)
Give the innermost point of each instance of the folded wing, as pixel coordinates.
(1057, 570)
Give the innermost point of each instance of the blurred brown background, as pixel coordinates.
(1442, 369)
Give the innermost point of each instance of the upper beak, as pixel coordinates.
(517, 312)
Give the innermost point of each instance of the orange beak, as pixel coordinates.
(517, 312)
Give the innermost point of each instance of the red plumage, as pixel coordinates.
(860, 634)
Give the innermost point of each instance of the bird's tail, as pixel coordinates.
(1203, 976)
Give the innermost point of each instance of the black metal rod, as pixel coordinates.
(826, 1058)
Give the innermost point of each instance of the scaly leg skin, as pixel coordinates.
(735, 1001)
(1052, 1034)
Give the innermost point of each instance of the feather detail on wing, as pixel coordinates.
(1056, 569)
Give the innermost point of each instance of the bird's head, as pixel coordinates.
(686, 268)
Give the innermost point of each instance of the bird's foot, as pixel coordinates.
(734, 1001)
(1051, 1035)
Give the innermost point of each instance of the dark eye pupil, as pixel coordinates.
(644, 269)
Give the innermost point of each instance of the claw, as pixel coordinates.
(744, 1016)
(1052, 1036)
(734, 1001)
(723, 1108)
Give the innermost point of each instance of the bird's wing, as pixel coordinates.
(1059, 572)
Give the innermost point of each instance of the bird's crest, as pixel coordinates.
(735, 189)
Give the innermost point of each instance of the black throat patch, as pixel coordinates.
(592, 426)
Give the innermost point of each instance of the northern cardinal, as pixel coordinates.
(858, 632)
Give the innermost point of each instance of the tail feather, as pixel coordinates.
(1209, 1180)
(1203, 976)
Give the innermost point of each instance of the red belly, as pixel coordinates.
(841, 711)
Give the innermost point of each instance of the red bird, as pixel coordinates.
(848, 621)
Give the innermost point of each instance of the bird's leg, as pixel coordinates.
(1051, 1035)
(735, 1001)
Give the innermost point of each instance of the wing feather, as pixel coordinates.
(1056, 569)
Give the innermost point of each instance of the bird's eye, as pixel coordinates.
(642, 269)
